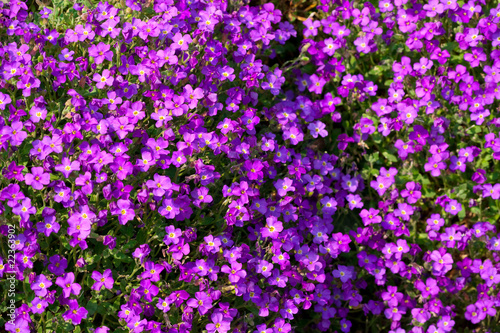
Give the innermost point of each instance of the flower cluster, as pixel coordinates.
(168, 171)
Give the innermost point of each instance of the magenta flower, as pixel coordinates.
(283, 186)
(423, 65)
(219, 323)
(125, 211)
(40, 285)
(294, 134)
(272, 229)
(103, 80)
(235, 272)
(181, 42)
(84, 32)
(441, 263)
(316, 84)
(226, 73)
(354, 201)
(433, 8)
(453, 207)
(148, 290)
(100, 52)
(434, 166)
(4, 100)
(68, 285)
(362, 44)
(201, 195)
(24, 209)
(202, 301)
(102, 280)
(15, 133)
(473, 314)
(76, 313)
(311, 28)
(66, 167)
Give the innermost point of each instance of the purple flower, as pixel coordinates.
(354, 201)
(429, 288)
(435, 222)
(66, 55)
(102, 280)
(84, 32)
(24, 209)
(159, 184)
(434, 166)
(68, 285)
(311, 27)
(344, 273)
(453, 207)
(473, 314)
(19, 325)
(381, 185)
(394, 313)
(272, 229)
(40, 285)
(201, 195)
(148, 290)
(4, 100)
(38, 305)
(219, 323)
(412, 192)
(385, 6)
(265, 268)
(75, 314)
(15, 133)
(181, 42)
(475, 57)
(66, 167)
(316, 84)
(294, 134)
(404, 211)
(103, 80)
(283, 186)
(100, 52)
(442, 263)
(45, 12)
(124, 209)
(235, 272)
(37, 178)
(201, 301)
(318, 128)
(14, 171)
(363, 44)
(423, 66)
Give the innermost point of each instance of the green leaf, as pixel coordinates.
(474, 130)
(429, 193)
(372, 158)
(91, 307)
(390, 157)
(475, 210)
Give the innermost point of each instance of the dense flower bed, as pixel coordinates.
(218, 166)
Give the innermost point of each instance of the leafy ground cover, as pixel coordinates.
(234, 166)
